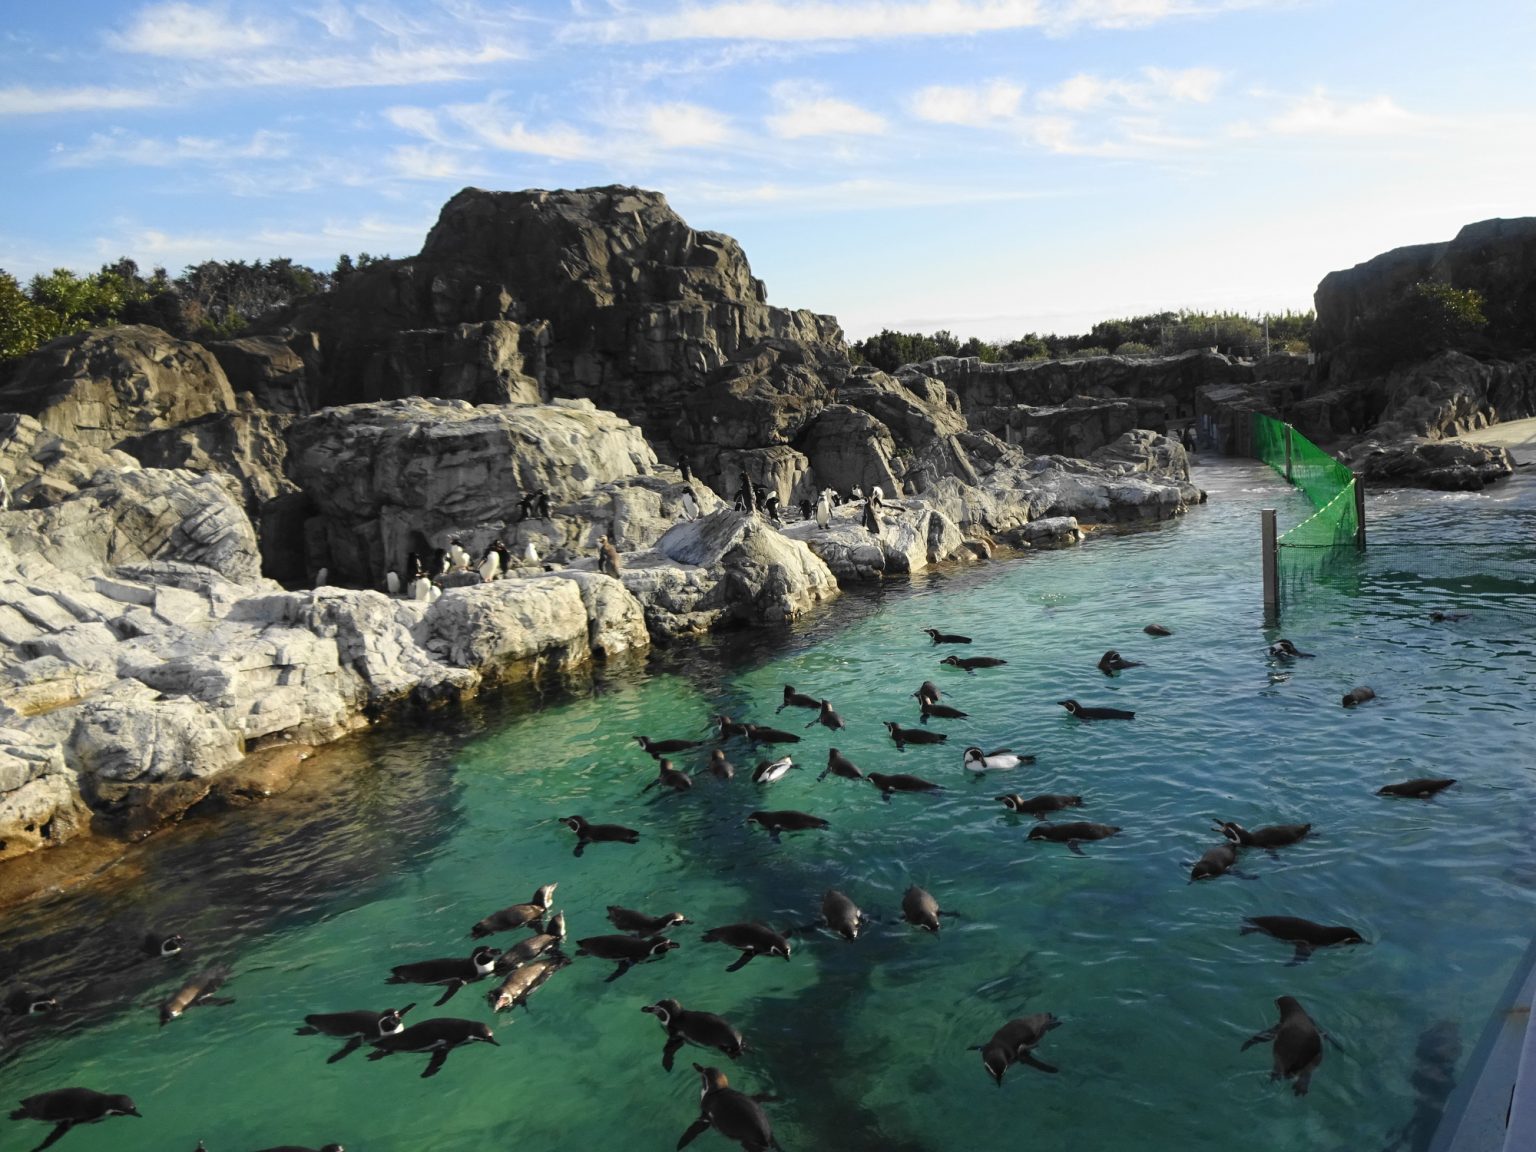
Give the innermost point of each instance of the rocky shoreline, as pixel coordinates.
(198, 543)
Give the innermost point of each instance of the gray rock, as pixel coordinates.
(1450, 466)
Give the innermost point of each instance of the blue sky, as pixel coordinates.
(989, 166)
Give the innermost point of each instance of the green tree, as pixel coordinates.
(23, 325)
(1429, 317)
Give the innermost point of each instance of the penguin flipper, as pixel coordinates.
(307, 1030)
(346, 1050)
(673, 1045)
(379, 1054)
(698, 1126)
(216, 1001)
(59, 1129)
(1076, 848)
(581, 846)
(624, 966)
(746, 958)
(1258, 1038)
(1302, 954)
(448, 992)
(435, 1065)
(1034, 1062)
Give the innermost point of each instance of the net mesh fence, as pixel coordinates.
(1327, 537)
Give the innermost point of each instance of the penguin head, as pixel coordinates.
(974, 756)
(164, 945)
(661, 945)
(484, 959)
(952, 660)
(663, 1010)
(577, 823)
(122, 1106)
(1203, 870)
(390, 1022)
(711, 1079)
(1288, 1006)
(557, 926)
(778, 949)
(996, 1058)
(1038, 832)
(479, 1031)
(1011, 802)
(673, 919)
(1071, 706)
(1233, 832)
(37, 1005)
(541, 897)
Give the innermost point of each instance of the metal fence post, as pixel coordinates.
(1288, 478)
(1359, 510)
(1271, 568)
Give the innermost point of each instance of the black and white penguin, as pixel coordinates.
(525, 506)
(1283, 649)
(490, 567)
(1424, 788)
(452, 973)
(608, 562)
(824, 509)
(870, 518)
(1014, 1043)
(786, 820)
(751, 939)
(1358, 696)
(626, 951)
(439, 1036)
(719, 766)
(840, 765)
(587, 833)
(1087, 712)
(1073, 833)
(669, 777)
(735, 1115)
(1298, 1044)
(1215, 861)
(771, 506)
(532, 947)
(414, 566)
(969, 664)
(1039, 806)
(638, 923)
(905, 736)
(685, 467)
(25, 1002)
(793, 699)
(542, 502)
(945, 638)
(197, 991)
(530, 914)
(762, 734)
(893, 782)
(1112, 662)
(929, 709)
(66, 1107)
(503, 554)
(841, 915)
(828, 718)
(656, 749)
(1304, 934)
(162, 944)
(975, 760)
(357, 1028)
(524, 981)
(692, 1027)
(1272, 837)
(771, 771)
(807, 509)
(920, 909)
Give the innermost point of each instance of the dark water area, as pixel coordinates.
(400, 840)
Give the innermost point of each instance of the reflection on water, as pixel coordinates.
(410, 836)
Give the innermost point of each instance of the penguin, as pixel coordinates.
(598, 833)
(905, 736)
(452, 973)
(1112, 662)
(529, 915)
(24, 1003)
(157, 944)
(530, 553)
(66, 1107)
(685, 467)
(877, 496)
(626, 950)
(942, 711)
(1038, 806)
(807, 510)
(1298, 1044)
(525, 506)
(746, 492)
(857, 492)
(786, 820)
(840, 765)
(828, 718)
(1304, 934)
(1014, 1043)
(946, 637)
(1157, 630)
(659, 748)
(434, 594)
(414, 566)
(531, 948)
(1424, 788)
(439, 1036)
(693, 1027)
(639, 924)
(690, 506)
(1085, 712)
(1439, 617)
(921, 910)
(542, 501)
(1358, 696)
(504, 556)
(608, 562)
(1285, 650)
(490, 567)
(1214, 862)
(1275, 836)
(771, 506)
(357, 1028)
(669, 777)
(770, 771)
(719, 766)
(751, 939)
(975, 760)
(421, 589)
(735, 1115)
(524, 981)
(793, 699)
(729, 727)
(392, 583)
(928, 693)
(841, 915)
(457, 557)
(970, 663)
(900, 782)
(440, 563)
(199, 990)
(1070, 834)
(322, 577)
(870, 519)
(760, 734)
(823, 510)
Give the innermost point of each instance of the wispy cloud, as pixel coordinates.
(121, 147)
(1085, 92)
(806, 109)
(972, 106)
(188, 31)
(1318, 114)
(21, 100)
(685, 126)
(378, 67)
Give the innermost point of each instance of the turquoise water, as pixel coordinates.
(313, 897)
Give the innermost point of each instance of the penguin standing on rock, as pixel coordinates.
(823, 509)
(608, 558)
(542, 503)
(871, 518)
(690, 506)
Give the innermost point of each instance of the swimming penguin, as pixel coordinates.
(1358, 696)
(1112, 662)
(1272, 837)
(735, 1115)
(719, 766)
(608, 562)
(942, 711)
(1085, 712)
(828, 718)
(975, 760)
(157, 944)
(524, 981)
(1014, 1043)
(927, 693)
(1439, 617)
(1423, 788)
(786, 820)
(638, 923)
(527, 950)
(392, 583)
(823, 510)
(1304, 934)
(761, 734)
(357, 1028)
(452, 973)
(598, 833)
(66, 1107)
(526, 915)
(690, 506)
(841, 914)
(905, 736)
(1214, 862)
(900, 782)
(1298, 1044)
(946, 637)
(439, 1036)
(729, 727)
(971, 663)
(490, 567)
(692, 1027)
(669, 777)
(199, 990)
(627, 951)
(1038, 806)
(1157, 630)
(840, 765)
(1072, 833)
(1284, 650)
(659, 748)
(768, 771)
(751, 939)
(921, 910)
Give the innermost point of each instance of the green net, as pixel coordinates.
(1308, 550)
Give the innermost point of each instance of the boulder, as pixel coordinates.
(247, 445)
(849, 448)
(1447, 465)
(39, 800)
(268, 369)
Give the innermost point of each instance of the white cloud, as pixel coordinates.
(186, 30)
(379, 67)
(120, 147)
(685, 126)
(1318, 114)
(806, 110)
(21, 100)
(1085, 92)
(416, 163)
(488, 124)
(973, 106)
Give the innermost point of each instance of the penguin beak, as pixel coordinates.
(491, 1040)
(134, 1112)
